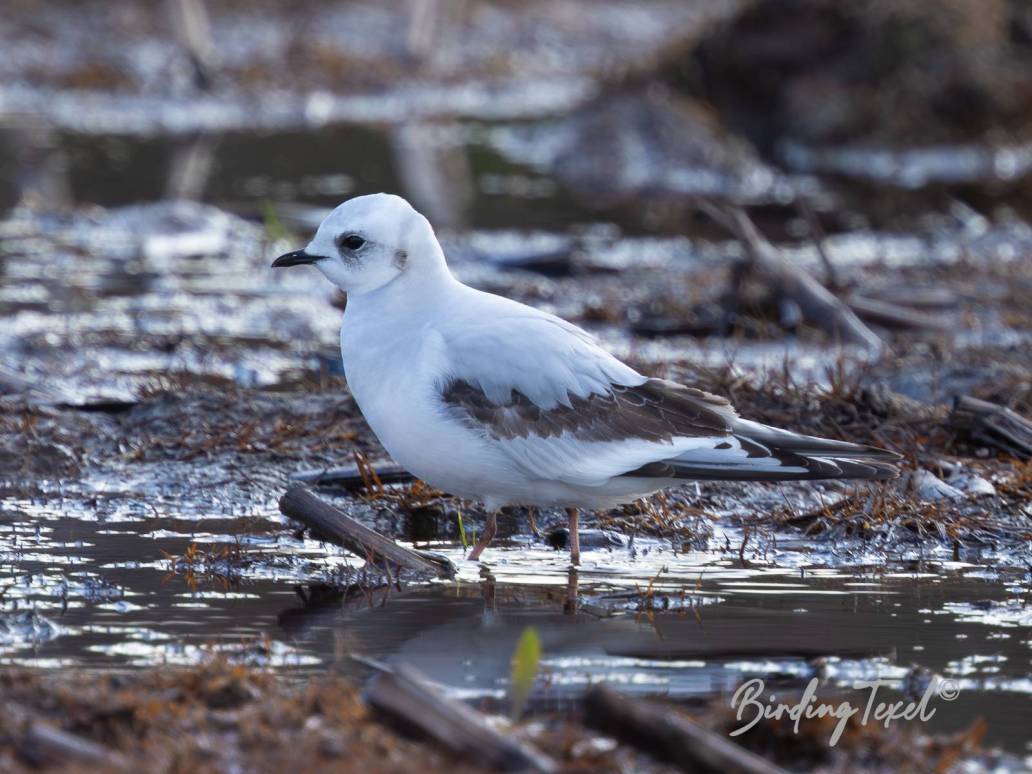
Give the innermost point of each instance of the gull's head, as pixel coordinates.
(368, 242)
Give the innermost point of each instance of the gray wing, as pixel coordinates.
(667, 430)
(656, 411)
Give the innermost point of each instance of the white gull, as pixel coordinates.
(492, 400)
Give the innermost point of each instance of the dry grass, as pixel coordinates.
(217, 716)
(407, 497)
(203, 423)
(224, 715)
(220, 566)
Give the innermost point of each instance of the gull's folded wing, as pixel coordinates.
(563, 409)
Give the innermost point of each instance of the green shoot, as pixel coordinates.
(462, 531)
(525, 662)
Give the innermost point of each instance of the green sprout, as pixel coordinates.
(525, 662)
(462, 531)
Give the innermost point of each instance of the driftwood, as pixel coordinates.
(891, 315)
(992, 425)
(432, 26)
(917, 297)
(43, 741)
(335, 526)
(818, 305)
(192, 30)
(831, 277)
(408, 699)
(193, 162)
(664, 734)
(351, 478)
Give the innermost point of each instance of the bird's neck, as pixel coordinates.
(418, 290)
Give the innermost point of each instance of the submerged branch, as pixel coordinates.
(335, 526)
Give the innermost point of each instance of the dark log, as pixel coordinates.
(409, 700)
(992, 425)
(349, 477)
(890, 315)
(660, 731)
(335, 526)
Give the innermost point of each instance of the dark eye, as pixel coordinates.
(352, 241)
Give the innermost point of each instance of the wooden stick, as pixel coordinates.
(350, 477)
(663, 733)
(335, 526)
(916, 297)
(192, 30)
(993, 425)
(831, 277)
(409, 699)
(892, 315)
(56, 743)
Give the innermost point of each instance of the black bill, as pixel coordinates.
(296, 258)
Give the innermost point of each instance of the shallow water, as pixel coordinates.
(245, 170)
(96, 590)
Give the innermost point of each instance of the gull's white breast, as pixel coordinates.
(395, 381)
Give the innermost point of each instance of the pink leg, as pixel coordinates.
(571, 515)
(486, 537)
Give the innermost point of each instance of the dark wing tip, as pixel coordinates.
(875, 453)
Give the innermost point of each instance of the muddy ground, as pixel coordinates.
(161, 386)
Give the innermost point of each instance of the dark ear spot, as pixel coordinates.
(400, 259)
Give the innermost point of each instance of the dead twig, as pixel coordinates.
(891, 315)
(916, 297)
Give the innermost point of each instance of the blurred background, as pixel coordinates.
(567, 108)
(544, 140)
